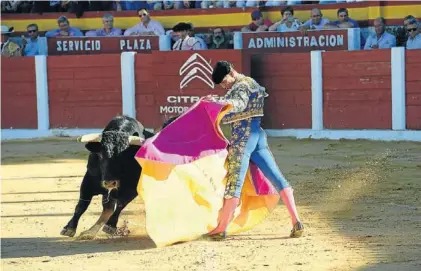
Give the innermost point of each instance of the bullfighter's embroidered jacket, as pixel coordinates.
(247, 98)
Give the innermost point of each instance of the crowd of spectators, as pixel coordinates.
(79, 7)
(184, 37)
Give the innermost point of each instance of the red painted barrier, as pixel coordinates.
(287, 79)
(413, 89)
(18, 93)
(169, 82)
(357, 90)
(84, 91)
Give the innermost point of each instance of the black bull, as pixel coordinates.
(113, 172)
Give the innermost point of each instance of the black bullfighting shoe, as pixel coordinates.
(297, 230)
(219, 236)
(215, 237)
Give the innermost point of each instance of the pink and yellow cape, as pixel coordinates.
(183, 179)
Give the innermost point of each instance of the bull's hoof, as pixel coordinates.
(87, 235)
(68, 232)
(109, 230)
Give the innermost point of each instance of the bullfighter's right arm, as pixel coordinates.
(238, 97)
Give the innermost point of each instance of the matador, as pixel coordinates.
(248, 142)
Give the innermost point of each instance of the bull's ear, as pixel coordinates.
(93, 146)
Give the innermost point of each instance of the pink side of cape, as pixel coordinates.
(193, 136)
(261, 184)
(187, 139)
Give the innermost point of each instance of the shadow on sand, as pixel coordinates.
(53, 247)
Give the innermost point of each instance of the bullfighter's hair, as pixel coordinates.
(221, 69)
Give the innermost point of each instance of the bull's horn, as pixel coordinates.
(135, 140)
(90, 138)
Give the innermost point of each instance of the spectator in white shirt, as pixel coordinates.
(107, 30)
(202, 42)
(381, 39)
(414, 38)
(288, 23)
(147, 26)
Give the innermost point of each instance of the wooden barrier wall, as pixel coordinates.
(287, 79)
(18, 93)
(158, 78)
(86, 92)
(413, 89)
(357, 90)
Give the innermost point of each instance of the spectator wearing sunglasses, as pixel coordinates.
(414, 38)
(31, 45)
(402, 34)
(147, 26)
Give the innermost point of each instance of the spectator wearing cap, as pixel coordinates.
(381, 39)
(288, 23)
(147, 26)
(185, 42)
(8, 47)
(64, 29)
(414, 38)
(258, 24)
(107, 30)
(316, 22)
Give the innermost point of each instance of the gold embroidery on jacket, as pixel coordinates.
(247, 98)
(240, 135)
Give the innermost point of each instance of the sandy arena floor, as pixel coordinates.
(360, 202)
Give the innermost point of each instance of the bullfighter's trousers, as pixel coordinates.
(249, 142)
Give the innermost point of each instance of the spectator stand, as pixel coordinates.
(230, 19)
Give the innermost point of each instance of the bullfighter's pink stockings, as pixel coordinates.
(288, 198)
